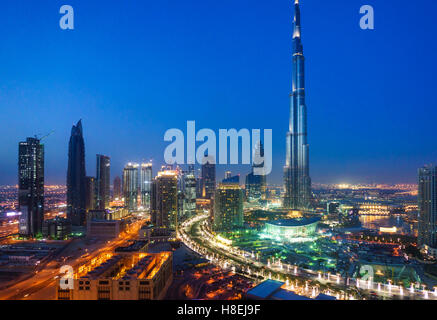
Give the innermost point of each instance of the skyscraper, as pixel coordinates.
(427, 202)
(117, 188)
(189, 190)
(31, 186)
(232, 179)
(228, 174)
(164, 199)
(145, 184)
(76, 177)
(130, 186)
(256, 184)
(297, 180)
(228, 207)
(103, 175)
(208, 177)
(90, 193)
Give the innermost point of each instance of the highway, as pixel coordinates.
(42, 285)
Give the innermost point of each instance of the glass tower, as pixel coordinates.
(164, 200)
(90, 193)
(76, 193)
(145, 184)
(427, 202)
(117, 188)
(189, 189)
(297, 182)
(130, 186)
(31, 186)
(256, 184)
(228, 207)
(208, 177)
(103, 176)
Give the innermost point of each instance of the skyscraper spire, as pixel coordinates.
(297, 181)
(296, 20)
(297, 43)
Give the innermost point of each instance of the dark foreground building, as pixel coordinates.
(427, 202)
(57, 228)
(103, 176)
(208, 177)
(76, 183)
(31, 186)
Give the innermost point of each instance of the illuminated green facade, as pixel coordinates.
(287, 229)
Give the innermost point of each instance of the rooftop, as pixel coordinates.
(294, 222)
(265, 289)
(272, 290)
(118, 266)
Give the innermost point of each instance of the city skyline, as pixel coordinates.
(347, 143)
(132, 221)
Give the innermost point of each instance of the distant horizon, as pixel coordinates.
(139, 68)
(268, 184)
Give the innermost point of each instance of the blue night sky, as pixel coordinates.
(132, 69)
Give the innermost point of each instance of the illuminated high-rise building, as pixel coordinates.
(256, 183)
(199, 183)
(208, 177)
(117, 193)
(76, 196)
(189, 192)
(31, 186)
(232, 179)
(228, 207)
(130, 186)
(145, 184)
(297, 182)
(427, 202)
(164, 199)
(103, 176)
(228, 174)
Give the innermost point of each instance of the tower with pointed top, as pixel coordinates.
(76, 191)
(297, 181)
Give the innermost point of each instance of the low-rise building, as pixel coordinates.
(135, 276)
(107, 223)
(135, 246)
(57, 228)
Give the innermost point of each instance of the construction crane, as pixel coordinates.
(43, 137)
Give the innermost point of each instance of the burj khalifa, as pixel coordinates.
(297, 181)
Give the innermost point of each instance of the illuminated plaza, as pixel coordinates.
(331, 260)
